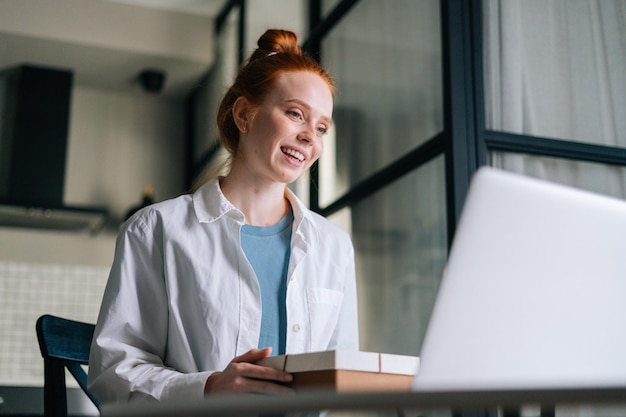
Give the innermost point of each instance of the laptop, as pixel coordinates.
(534, 291)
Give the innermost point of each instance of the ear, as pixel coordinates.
(241, 114)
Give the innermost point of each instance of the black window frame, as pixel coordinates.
(465, 142)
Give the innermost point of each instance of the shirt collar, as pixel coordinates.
(304, 224)
(210, 204)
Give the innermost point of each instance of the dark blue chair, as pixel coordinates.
(64, 344)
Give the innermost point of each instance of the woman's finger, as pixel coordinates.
(253, 355)
(243, 375)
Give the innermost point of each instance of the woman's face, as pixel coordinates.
(285, 135)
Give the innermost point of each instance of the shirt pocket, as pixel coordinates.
(324, 308)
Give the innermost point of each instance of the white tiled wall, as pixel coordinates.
(26, 292)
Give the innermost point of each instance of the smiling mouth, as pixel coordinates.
(293, 153)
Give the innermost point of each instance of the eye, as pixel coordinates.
(322, 130)
(296, 114)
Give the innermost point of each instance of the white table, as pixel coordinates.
(254, 405)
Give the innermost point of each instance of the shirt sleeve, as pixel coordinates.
(129, 344)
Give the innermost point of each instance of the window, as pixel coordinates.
(553, 73)
(386, 61)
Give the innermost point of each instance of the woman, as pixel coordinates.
(205, 285)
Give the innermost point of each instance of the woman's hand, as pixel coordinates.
(243, 375)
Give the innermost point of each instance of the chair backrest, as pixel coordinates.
(64, 344)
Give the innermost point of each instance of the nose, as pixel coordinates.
(304, 137)
(308, 133)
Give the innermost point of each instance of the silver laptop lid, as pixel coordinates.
(534, 292)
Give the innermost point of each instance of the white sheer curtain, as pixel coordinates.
(558, 69)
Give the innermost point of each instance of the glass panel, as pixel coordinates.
(386, 60)
(328, 6)
(399, 235)
(604, 179)
(556, 69)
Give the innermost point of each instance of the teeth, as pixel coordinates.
(294, 153)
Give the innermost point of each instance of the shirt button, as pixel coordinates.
(296, 328)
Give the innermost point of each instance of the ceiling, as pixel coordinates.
(110, 68)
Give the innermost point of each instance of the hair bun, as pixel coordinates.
(277, 40)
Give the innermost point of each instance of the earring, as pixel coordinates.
(244, 129)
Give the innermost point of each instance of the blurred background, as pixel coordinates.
(122, 101)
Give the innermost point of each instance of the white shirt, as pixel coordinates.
(182, 300)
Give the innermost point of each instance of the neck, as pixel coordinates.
(261, 205)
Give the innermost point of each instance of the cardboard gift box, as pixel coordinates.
(347, 371)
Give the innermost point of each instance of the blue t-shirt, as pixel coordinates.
(268, 250)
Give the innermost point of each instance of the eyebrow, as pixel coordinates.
(325, 119)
